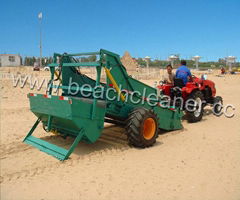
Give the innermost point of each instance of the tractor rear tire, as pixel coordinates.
(197, 115)
(142, 127)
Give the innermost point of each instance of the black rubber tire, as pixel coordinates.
(216, 100)
(134, 127)
(191, 118)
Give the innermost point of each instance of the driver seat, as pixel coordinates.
(178, 82)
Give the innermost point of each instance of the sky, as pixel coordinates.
(155, 28)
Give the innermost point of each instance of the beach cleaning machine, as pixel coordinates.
(85, 104)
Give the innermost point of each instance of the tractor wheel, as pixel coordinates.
(195, 116)
(217, 104)
(142, 128)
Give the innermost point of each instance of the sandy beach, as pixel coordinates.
(201, 161)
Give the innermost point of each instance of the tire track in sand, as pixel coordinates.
(113, 143)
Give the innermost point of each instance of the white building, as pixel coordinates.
(10, 60)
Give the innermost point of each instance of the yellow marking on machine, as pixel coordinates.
(109, 75)
(57, 76)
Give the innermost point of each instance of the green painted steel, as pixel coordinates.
(51, 149)
(85, 64)
(80, 114)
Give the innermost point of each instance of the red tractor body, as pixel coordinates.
(207, 87)
(196, 89)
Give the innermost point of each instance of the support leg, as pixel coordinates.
(32, 129)
(74, 144)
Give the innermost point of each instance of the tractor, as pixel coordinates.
(198, 93)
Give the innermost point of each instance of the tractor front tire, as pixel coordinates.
(142, 127)
(195, 116)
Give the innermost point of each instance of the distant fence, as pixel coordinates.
(158, 74)
(143, 73)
